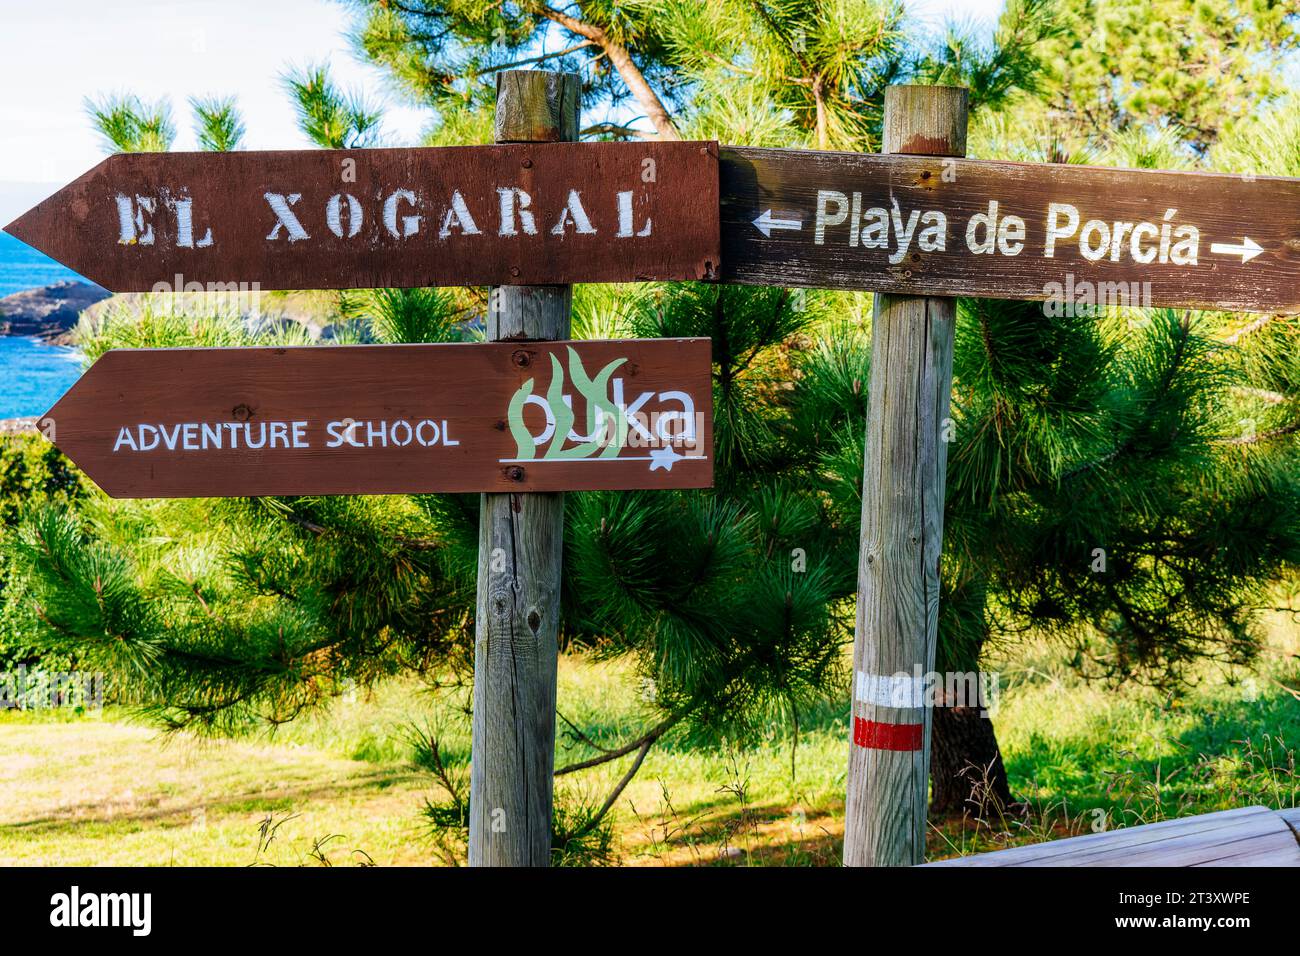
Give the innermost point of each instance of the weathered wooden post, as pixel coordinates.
(902, 526)
(520, 544)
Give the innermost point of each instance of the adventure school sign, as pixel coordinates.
(375, 419)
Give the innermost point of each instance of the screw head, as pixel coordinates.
(515, 473)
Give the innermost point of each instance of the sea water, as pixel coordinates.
(22, 268)
(32, 374)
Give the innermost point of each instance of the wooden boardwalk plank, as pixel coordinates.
(1292, 816)
(1111, 838)
(1246, 836)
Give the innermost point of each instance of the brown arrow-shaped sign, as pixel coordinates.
(389, 419)
(1077, 237)
(536, 214)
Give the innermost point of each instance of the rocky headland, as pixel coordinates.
(49, 313)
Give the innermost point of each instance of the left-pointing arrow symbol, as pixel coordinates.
(1248, 249)
(766, 222)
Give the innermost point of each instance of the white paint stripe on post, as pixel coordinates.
(889, 690)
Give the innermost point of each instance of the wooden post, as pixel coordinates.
(902, 527)
(520, 547)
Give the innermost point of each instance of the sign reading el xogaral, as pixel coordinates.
(524, 214)
(387, 419)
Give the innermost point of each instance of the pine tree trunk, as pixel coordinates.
(966, 769)
(967, 773)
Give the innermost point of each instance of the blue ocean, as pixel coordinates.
(22, 267)
(32, 374)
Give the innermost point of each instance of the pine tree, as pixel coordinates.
(1100, 492)
(440, 53)
(33, 473)
(1195, 65)
(733, 607)
(330, 117)
(217, 123)
(796, 73)
(1222, 397)
(129, 125)
(791, 73)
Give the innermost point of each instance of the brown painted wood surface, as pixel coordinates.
(673, 186)
(1226, 209)
(1248, 836)
(469, 386)
(902, 525)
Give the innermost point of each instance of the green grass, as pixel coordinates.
(339, 786)
(1085, 757)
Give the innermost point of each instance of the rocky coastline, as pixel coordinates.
(49, 313)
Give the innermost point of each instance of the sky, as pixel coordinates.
(54, 54)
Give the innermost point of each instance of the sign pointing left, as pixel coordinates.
(766, 222)
(525, 214)
(392, 419)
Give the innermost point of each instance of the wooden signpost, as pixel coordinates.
(390, 419)
(520, 557)
(525, 416)
(905, 465)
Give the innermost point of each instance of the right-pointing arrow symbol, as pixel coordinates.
(766, 222)
(1248, 249)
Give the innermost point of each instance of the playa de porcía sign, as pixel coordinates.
(389, 419)
(937, 225)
